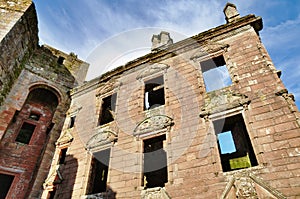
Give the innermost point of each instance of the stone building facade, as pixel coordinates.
(205, 117)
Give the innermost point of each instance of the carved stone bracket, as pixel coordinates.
(222, 100)
(290, 99)
(54, 177)
(65, 137)
(156, 192)
(155, 68)
(152, 125)
(244, 184)
(102, 139)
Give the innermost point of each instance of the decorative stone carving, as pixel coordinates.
(65, 137)
(108, 86)
(207, 49)
(221, 100)
(104, 195)
(152, 125)
(102, 139)
(155, 68)
(245, 184)
(155, 193)
(53, 178)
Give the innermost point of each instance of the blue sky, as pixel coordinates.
(80, 26)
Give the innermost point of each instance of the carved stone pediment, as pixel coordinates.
(74, 109)
(155, 68)
(207, 49)
(244, 184)
(152, 125)
(65, 137)
(108, 87)
(221, 100)
(156, 192)
(54, 177)
(102, 139)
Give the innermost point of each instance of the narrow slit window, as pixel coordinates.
(5, 182)
(72, 121)
(154, 93)
(215, 73)
(63, 155)
(234, 144)
(25, 133)
(108, 109)
(155, 163)
(100, 166)
(52, 194)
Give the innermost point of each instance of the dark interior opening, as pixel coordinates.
(5, 182)
(100, 165)
(72, 121)
(107, 109)
(241, 155)
(60, 60)
(63, 154)
(155, 163)
(25, 133)
(44, 97)
(52, 194)
(154, 93)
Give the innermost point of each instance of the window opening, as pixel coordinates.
(5, 182)
(34, 116)
(62, 156)
(108, 109)
(100, 167)
(234, 144)
(60, 60)
(215, 73)
(154, 93)
(25, 133)
(155, 163)
(72, 121)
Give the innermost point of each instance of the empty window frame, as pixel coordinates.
(234, 144)
(5, 182)
(62, 155)
(25, 133)
(155, 163)
(100, 165)
(108, 109)
(154, 93)
(215, 73)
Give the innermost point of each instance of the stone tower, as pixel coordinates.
(34, 96)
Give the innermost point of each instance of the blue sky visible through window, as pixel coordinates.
(226, 142)
(216, 78)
